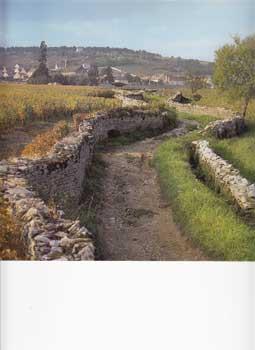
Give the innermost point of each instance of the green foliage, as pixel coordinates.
(195, 82)
(43, 53)
(93, 74)
(60, 79)
(105, 93)
(109, 75)
(203, 120)
(41, 74)
(235, 69)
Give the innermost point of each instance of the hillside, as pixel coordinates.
(138, 62)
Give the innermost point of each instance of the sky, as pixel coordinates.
(185, 28)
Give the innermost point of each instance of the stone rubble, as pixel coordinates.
(179, 98)
(226, 128)
(47, 235)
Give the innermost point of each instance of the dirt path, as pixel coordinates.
(134, 222)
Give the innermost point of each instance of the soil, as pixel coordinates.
(134, 221)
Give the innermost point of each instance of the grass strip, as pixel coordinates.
(205, 216)
(239, 151)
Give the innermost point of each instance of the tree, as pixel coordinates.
(41, 74)
(60, 79)
(109, 75)
(235, 69)
(43, 54)
(93, 74)
(195, 82)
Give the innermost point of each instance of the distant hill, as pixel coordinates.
(138, 62)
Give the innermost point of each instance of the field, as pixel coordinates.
(22, 104)
(238, 150)
(213, 98)
(213, 224)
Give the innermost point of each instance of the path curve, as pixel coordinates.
(134, 221)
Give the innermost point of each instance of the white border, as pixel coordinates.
(127, 306)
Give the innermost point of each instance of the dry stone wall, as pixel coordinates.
(47, 235)
(225, 177)
(232, 125)
(61, 176)
(226, 128)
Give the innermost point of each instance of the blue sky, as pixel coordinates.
(190, 29)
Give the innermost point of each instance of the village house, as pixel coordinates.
(4, 73)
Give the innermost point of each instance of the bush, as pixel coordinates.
(196, 97)
(103, 93)
(170, 117)
(59, 78)
(40, 75)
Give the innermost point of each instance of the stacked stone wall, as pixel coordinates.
(224, 177)
(61, 176)
(227, 128)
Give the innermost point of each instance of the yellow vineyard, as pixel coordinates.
(24, 103)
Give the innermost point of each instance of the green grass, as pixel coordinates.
(213, 98)
(201, 118)
(205, 216)
(216, 98)
(240, 151)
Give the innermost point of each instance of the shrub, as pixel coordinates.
(40, 75)
(170, 117)
(103, 93)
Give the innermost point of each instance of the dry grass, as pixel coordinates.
(43, 143)
(23, 103)
(11, 244)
